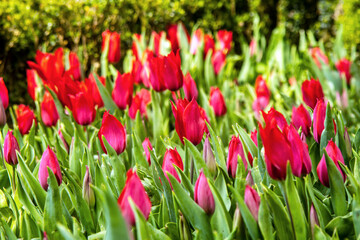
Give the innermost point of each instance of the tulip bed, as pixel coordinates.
(190, 141)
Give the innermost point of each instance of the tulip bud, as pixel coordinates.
(319, 119)
(189, 87)
(343, 66)
(156, 76)
(173, 76)
(172, 157)
(50, 160)
(217, 101)
(123, 90)
(114, 133)
(301, 118)
(83, 108)
(25, 118)
(318, 56)
(2, 114)
(252, 47)
(135, 190)
(335, 154)
(252, 201)
(314, 220)
(146, 145)
(203, 195)
(66, 145)
(209, 156)
(31, 83)
(114, 45)
(237, 218)
(87, 191)
(218, 60)
(49, 113)
(185, 233)
(196, 41)
(75, 67)
(312, 92)
(10, 147)
(4, 93)
(235, 150)
(249, 179)
(225, 38)
(261, 89)
(209, 44)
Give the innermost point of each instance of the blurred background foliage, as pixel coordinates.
(29, 25)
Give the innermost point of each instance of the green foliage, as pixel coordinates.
(350, 19)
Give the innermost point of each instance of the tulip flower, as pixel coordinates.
(172, 157)
(49, 113)
(156, 76)
(319, 119)
(190, 88)
(10, 147)
(123, 90)
(2, 114)
(31, 83)
(146, 145)
(114, 133)
(87, 191)
(134, 46)
(301, 118)
(139, 103)
(24, 117)
(157, 42)
(335, 154)
(113, 38)
(49, 160)
(196, 40)
(208, 156)
(342, 99)
(252, 201)
(83, 108)
(311, 91)
(4, 93)
(253, 136)
(135, 190)
(173, 76)
(252, 47)
(66, 145)
(258, 105)
(189, 121)
(277, 117)
(75, 66)
(314, 220)
(235, 149)
(218, 60)
(209, 44)
(172, 36)
(203, 195)
(261, 88)
(90, 83)
(217, 102)
(224, 38)
(343, 66)
(318, 56)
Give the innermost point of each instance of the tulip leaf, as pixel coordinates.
(192, 211)
(280, 217)
(209, 73)
(115, 223)
(250, 145)
(198, 159)
(218, 148)
(264, 217)
(248, 218)
(65, 233)
(185, 181)
(343, 225)
(76, 154)
(357, 140)
(328, 132)
(138, 153)
(39, 193)
(105, 95)
(104, 58)
(9, 233)
(337, 189)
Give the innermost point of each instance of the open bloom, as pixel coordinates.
(49, 113)
(252, 201)
(123, 90)
(301, 118)
(203, 195)
(235, 150)
(114, 133)
(135, 190)
(217, 101)
(311, 91)
(50, 160)
(190, 89)
(114, 45)
(171, 158)
(24, 117)
(10, 147)
(343, 67)
(335, 154)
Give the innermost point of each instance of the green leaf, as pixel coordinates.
(76, 154)
(10, 235)
(65, 233)
(264, 219)
(342, 224)
(198, 159)
(138, 153)
(105, 95)
(218, 148)
(250, 145)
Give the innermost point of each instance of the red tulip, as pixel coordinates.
(31, 83)
(173, 76)
(217, 102)
(49, 113)
(90, 83)
(136, 71)
(301, 118)
(277, 117)
(4, 93)
(146, 145)
(218, 60)
(189, 122)
(172, 36)
(139, 103)
(123, 90)
(343, 67)
(208, 156)
(114, 133)
(319, 119)
(258, 105)
(135, 190)
(25, 117)
(252, 201)
(225, 38)
(253, 136)
(10, 147)
(235, 150)
(203, 195)
(209, 44)
(114, 45)
(311, 91)
(261, 89)
(156, 77)
(157, 42)
(75, 66)
(171, 158)
(335, 154)
(83, 108)
(49, 160)
(134, 46)
(196, 40)
(318, 56)
(190, 88)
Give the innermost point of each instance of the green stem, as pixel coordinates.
(13, 179)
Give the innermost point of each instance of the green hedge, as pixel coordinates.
(350, 19)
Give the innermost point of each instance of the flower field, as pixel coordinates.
(179, 137)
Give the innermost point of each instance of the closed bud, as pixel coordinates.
(50, 160)
(217, 102)
(123, 90)
(208, 156)
(113, 38)
(173, 76)
(218, 60)
(319, 119)
(252, 201)
(343, 66)
(190, 89)
(2, 114)
(83, 108)
(49, 113)
(10, 147)
(311, 92)
(237, 218)
(87, 191)
(146, 145)
(66, 145)
(25, 118)
(203, 195)
(171, 158)
(235, 150)
(301, 118)
(209, 44)
(314, 220)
